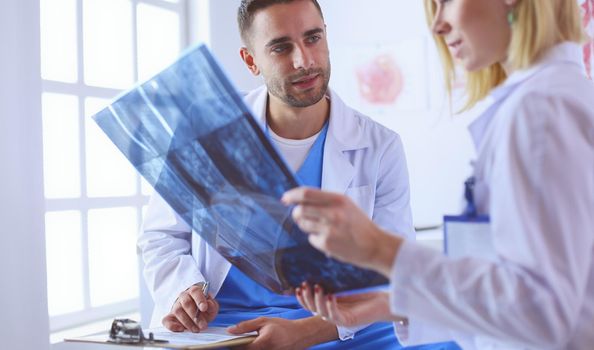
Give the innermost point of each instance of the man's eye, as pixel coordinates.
(313, 39)
(280, 48)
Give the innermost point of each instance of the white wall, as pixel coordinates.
(437, 144)
(24, 320)
(224, 41)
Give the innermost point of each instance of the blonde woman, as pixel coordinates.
(534, 178)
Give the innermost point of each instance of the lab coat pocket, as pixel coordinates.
(362, 197)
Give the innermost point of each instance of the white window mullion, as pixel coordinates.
(79, 89)
(172, 6)
(134, 31)
(134, 4)
(80, 42)
(61, 204)
(184, 29)
(83, 165)
(84, 244)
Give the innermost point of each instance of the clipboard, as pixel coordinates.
(468, 236)
(184, 339)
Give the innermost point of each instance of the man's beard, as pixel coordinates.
(284, 94)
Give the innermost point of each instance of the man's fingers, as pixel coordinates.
(187, 303)
(199, 298)
(172, 324)
(247, 326)
(202, 321)
(185, 319)
(258, 344)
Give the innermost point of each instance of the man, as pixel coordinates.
(327, 145)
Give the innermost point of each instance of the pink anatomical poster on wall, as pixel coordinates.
(381, 79)
(588, 22)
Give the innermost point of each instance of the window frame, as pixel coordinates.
(84, 203)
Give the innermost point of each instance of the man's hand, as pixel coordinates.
(192, 311)
(279, 333)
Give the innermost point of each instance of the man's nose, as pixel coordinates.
(302, 58)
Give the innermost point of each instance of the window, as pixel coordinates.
(90, 51)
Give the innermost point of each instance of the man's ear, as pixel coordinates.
(248, 59)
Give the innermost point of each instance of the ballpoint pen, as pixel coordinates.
(204, 286)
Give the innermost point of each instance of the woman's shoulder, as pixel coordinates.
(558, 82)
(561, 89)
(557, 103)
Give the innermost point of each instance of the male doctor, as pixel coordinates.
(326, 143)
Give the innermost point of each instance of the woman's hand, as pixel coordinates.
(340, 229)
(349, 310)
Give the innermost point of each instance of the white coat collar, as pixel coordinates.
(345, 133)
(567, 52)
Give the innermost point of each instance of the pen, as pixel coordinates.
(204, 286)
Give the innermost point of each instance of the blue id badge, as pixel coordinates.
(468, 234)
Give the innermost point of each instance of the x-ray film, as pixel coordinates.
(191, 136)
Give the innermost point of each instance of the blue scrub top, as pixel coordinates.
(241, 299)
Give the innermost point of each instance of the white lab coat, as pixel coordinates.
(535, 177)
(362, 159)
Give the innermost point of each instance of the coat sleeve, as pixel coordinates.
(165, 244)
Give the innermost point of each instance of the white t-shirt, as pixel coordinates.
(294, 151)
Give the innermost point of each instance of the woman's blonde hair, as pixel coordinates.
(538, 26)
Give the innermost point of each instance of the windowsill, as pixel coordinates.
(89, 328)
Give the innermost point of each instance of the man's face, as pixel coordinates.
(289, 47)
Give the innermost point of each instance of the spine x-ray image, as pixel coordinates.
(191, 136)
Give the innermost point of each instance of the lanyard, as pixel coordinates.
(470, 209)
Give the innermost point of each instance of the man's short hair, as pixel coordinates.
(248, 8)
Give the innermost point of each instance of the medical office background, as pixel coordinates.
(71, 205)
